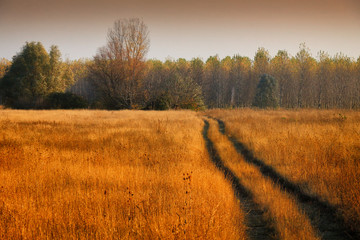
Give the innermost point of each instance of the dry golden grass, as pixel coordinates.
(111, 175)
(147, 175)
(280, 208)
(318, 150)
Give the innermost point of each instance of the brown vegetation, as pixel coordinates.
(119, 77)
(280, 208)
(111, 175)
(317, 150)
(148, 175)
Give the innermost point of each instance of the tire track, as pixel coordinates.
(322, 215)
(258, 227)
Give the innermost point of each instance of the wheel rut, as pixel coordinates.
(323, 216)
(257, 226)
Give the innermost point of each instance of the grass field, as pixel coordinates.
(318, 151)
(179, 174)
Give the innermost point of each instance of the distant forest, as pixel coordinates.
(119, 77)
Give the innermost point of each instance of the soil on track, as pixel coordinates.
(257, 226)
(324, 217)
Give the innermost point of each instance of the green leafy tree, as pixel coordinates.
(4, 67)
(26, 81)
(266, 93)
(33, 75)
(60, 73)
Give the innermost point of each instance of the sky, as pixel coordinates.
(186, 28)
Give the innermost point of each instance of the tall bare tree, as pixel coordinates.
(118, 68)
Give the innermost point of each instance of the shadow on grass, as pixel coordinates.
(324, 217)
(258, 226)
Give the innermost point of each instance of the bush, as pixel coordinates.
(65, 101)
(162, 102)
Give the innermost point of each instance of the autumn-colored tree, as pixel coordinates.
(305, 77)
(324, 85)
(181, 90)
(118, 77)
(282, 70)
(261, 62)
(240, 78)
(261, 65)
(183, 67)
(154, 87)
(197, 70)
(357, 84)
(213, 86)
(343, 81)
(186, 93)
(82, 85)
(4, 66)
(226, 82)
(118, 69)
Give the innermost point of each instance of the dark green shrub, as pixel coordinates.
(161, 102)
(65, 101)
(266, 93)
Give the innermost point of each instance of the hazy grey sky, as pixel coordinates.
(186, 28)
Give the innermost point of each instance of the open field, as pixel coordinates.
(314, 155)
(241, 174)
(111, 175)
(279, 207)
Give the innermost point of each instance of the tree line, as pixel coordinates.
(119, 77)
